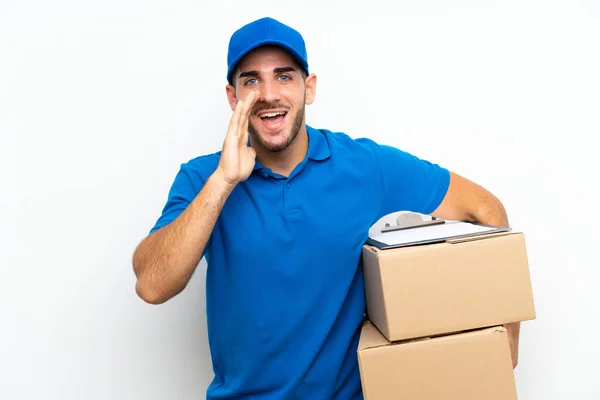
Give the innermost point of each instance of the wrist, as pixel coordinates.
(219, 179)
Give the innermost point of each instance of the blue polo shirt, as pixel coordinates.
(284, 286)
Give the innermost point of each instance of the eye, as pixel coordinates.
(250, 81)
(284, 78)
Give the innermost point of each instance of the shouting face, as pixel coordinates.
(283, 88)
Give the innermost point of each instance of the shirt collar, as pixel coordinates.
(318, 147)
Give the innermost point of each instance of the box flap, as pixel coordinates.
(370, 337)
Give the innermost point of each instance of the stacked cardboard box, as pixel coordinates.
(436, 318)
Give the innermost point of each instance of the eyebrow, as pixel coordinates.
(276, 70)
(284, 69)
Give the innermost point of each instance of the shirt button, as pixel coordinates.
(287, 185)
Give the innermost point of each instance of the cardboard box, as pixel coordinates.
(447, 287)
(474, 365)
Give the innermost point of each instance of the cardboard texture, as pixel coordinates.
(474, 365)
(440, 288)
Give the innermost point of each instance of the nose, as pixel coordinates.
(269, 92)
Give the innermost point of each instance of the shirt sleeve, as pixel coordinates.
(410, 183)
(183, 191)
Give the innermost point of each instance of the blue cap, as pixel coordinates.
(265, 31)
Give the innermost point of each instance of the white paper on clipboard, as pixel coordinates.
(431, 234)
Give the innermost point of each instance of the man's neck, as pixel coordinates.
(284, 162)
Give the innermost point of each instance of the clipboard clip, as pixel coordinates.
(410, 221)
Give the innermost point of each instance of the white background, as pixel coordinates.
(100, 102)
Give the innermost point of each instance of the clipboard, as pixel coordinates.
(414, 231)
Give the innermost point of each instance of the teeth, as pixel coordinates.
(272, 114)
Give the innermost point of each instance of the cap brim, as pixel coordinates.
(299, 59)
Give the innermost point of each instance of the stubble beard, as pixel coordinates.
(295, 129)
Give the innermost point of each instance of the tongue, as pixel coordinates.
(273, 120)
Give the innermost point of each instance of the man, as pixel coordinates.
(281, 214)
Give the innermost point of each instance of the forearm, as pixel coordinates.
(490, 211)
(468, 201)
(165, 260)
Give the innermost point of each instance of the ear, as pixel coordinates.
(311, 88)
(231, 97)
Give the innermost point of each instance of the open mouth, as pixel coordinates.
(272, 119)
